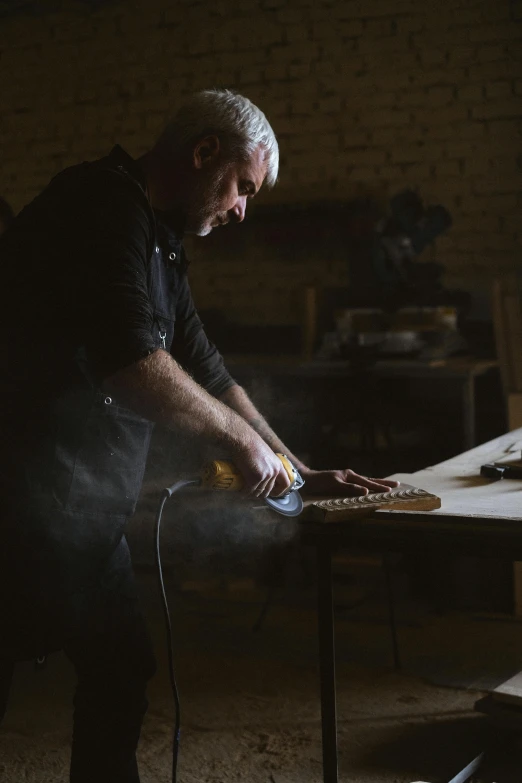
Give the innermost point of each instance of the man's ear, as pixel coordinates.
(206, 151)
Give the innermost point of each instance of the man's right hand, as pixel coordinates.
(262, 470)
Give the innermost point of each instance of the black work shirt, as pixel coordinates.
(92, 281)
(76, 262)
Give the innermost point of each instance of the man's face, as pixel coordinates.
(221, 192)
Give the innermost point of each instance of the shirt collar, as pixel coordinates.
(173, 222)
(122, 158)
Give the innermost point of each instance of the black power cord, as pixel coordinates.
(166, 495)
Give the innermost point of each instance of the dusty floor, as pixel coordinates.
(250, 700)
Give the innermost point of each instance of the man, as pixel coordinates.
(101, 338)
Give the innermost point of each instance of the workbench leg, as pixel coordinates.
(386, 563)
(327, 663)
(468, 417)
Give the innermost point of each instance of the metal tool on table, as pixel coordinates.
(495, 471)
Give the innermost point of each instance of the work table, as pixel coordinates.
(477, 517)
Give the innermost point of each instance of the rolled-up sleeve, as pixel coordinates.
(194, 351)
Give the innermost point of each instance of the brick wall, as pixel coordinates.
(366, 97)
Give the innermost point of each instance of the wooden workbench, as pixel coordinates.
(477, 517)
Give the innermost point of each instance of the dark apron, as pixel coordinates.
(101, 446)
(75, 493)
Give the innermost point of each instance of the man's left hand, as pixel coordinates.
(343, 483)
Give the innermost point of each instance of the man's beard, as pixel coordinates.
(205, 206)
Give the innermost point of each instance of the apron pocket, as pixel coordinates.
(106, 470)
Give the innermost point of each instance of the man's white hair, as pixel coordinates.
(240, 125)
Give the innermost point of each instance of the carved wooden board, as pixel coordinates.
(404, 498)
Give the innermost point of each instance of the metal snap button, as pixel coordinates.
(172, 256)
(157, 249)
(108, 401)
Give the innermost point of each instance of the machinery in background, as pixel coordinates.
(396, 304)
(384, 252)
(427, 333)
(399, 239)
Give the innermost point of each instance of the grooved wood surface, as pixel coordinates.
(404, 498)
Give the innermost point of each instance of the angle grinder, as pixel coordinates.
(223, 475)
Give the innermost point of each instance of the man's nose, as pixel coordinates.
(239, 209)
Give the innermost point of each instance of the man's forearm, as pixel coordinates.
(237, 399)
(159, 389)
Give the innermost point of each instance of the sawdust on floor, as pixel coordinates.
(251, 705)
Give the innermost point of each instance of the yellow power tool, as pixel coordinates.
(223, 475)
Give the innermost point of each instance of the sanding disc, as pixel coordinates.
(290, 505)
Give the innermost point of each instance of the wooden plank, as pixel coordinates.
(471, 495)
(501, 336)
(507, 321)
(515, 410)
(510, 692)
(404, 498)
